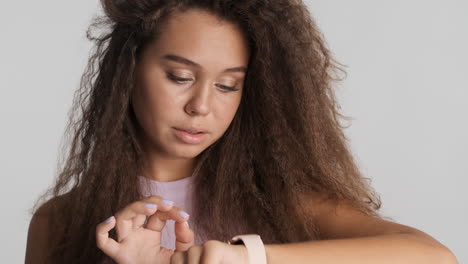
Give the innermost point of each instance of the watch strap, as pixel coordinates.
(255, 248)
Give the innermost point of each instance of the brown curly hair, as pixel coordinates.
(285, 140)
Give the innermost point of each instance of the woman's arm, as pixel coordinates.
(393, 248)
(353, 237)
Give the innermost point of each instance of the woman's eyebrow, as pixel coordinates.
(188, 62)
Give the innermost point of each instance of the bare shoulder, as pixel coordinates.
(39, 231)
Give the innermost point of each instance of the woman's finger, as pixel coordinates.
(125, 218)
(139, 221)
(191, 256)
(179, 257)
(103, 241)
(185, 238)
(157, 221)
(194, 255)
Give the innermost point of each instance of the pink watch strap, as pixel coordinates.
(255, 248)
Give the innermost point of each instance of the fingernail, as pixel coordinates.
(183, 214)
(108, 220)
(168, 202)
(187, 223)
(151, 206)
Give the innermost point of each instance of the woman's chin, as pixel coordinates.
(188, 152)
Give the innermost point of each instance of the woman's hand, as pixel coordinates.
(139, 244)
(212, 252)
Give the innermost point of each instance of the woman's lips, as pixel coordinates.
(192, 130)
(188, 138)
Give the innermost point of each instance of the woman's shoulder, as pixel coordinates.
(39, 231)
(47, 208)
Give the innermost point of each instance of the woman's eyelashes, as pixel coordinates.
(180, 80)
(172, 77)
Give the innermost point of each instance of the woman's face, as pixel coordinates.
(191, 77)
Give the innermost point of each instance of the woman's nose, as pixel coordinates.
(199, 102)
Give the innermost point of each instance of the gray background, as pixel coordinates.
(406, 91)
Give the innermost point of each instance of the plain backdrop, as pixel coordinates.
(406, 91)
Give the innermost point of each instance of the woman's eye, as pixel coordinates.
(182, 80)
(227, 88)
(177, 79)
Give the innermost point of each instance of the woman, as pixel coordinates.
(233, 99)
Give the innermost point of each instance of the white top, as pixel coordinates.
(180, 193)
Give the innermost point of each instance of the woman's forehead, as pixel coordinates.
(203, 38)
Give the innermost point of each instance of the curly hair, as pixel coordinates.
(285, 140)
